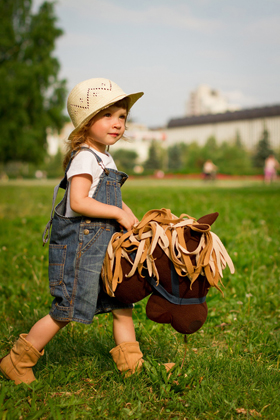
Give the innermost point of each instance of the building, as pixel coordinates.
(56, 140)
(247, 123)
(205, 100)
(137, 137)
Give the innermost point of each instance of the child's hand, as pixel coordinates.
(127, 220)
(130, 212)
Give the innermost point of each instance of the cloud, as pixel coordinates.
(175, 15)
(264, 31)
(239, 98)
(168, 47)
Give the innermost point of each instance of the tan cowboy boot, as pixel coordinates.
(128, 357)
(17, 365)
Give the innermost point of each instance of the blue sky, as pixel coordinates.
(166, 48)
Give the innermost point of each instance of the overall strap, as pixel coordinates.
(98, 158)
(63, 184)
(46, 232)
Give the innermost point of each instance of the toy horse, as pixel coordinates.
(175, 260)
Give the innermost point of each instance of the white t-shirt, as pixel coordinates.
(86, 163)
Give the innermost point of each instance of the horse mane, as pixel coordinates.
(160, 227)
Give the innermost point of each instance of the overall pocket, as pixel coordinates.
(57, 257)
(89, 234)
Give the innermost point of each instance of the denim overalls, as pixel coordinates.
(77, 250)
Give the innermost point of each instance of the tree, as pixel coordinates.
(154, 157)
(125, 159)
(238, 141)
(175, 161)
(210, 150)
(263, 150)
(53, 165)
(233, 158)
(32, 97)
(193, 158)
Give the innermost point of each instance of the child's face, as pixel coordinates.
(107, 128)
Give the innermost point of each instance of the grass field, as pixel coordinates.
(227, 370)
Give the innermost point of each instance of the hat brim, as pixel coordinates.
(133, 97)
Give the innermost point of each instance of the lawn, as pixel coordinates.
(227, 370)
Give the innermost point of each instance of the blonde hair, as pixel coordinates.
(75, 143)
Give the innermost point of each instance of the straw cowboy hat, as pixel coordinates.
(91, 96)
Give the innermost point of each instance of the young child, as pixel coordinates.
(82, 225)
(270, 169)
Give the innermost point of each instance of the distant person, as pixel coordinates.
(209, 170)
(270, 169)
(83, 223)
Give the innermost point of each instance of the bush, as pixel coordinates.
(125, 159)
(231, 157)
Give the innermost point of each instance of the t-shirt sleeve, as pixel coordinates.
(84, 163)
(111, 163)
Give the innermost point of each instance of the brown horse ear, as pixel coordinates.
(209, 219)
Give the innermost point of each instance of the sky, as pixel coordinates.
(167, 48)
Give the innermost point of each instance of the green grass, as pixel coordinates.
(227, 370)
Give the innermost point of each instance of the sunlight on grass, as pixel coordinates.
(227, 370)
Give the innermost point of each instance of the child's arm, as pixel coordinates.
(87, 206)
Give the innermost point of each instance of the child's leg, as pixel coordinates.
(43, 331)
(123, 327)
(127, 354)
(27, 350)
